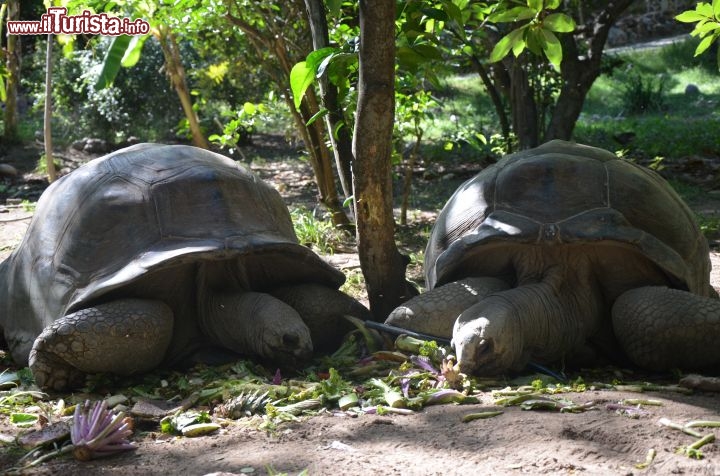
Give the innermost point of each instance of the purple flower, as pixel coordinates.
(97, 432)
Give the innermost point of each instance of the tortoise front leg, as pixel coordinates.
(125, 336)
(661, 328)
(434, 312)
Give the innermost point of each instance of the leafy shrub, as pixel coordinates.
(140, 102)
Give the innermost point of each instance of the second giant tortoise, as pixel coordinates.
(147, 255)
(563, 251)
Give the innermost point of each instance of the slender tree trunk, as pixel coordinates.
(12, 64)
(176, 73)
(524, 109)
(382, 264)
(315, 142)
(495, 98)
(407, 179)
(336, 125)
(47, 120)
(312, 135)
(580, 71)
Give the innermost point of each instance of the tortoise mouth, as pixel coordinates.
(483, 359)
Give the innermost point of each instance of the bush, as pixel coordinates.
(140, 102)
(642, 94)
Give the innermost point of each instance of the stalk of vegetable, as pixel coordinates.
(676, 426)
(480, 415)
(648, 459)
(693, 450)
(348, 401)
(447, 396)
(391, 396)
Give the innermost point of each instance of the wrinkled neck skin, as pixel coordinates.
(255, 323)
(553, 309)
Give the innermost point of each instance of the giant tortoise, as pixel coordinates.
(567, 252)
(153, 253)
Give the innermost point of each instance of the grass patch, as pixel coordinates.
(646, 95)
(318, 234)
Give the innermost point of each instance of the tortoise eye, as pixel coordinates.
(290, 339)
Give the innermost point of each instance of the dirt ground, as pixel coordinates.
(432, 441)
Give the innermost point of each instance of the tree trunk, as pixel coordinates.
(12, 64)
(524, 109)
(382, 264)
(47, 120)
(313, 135)
(495, 98)
(314, 138)
(176, 73)
(580, 71)
(336, 125)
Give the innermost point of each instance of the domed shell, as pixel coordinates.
(565, 193)
(141, 209)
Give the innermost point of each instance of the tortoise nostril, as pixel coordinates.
(290, 339)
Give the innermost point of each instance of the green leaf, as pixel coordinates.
(535, 41)
(112, 61)
(454, 13)
(506, 43)
(3, 91)
(552, 4)
(301, 77)
(133, 51)
(559, 22)
(690, 16)
(409, 59)
(316, 58)
(703, 28)
(705, 9)
(23, 420)
(336, 65)
(704, 44)
(435, 14)
(536, 5)
(519, 47)
(513, 14)
(321, 113)
(428, 51)
(249, 108)
(716, 9)
(552, 48)
(333, 7)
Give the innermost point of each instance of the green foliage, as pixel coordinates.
(538, 35)
(653, 81)
(111, 63)
(317, 234)
(707, 17)
(130, 106)
(174, 424)
(240, 127)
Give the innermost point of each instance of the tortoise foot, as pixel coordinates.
(122, 337)
(663, 329)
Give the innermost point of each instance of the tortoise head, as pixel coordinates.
(254, 323)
